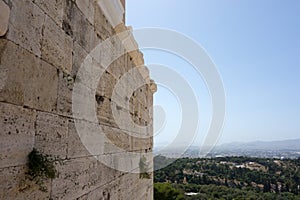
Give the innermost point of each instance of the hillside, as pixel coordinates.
(242, 176)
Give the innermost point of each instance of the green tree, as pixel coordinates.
(165, 191)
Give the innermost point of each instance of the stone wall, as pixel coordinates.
(42, 46)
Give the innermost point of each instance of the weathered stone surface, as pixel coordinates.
(76, 148)
(132, 187)
(28, 81)
(80, 176)
(102, 27)
(12, 89)
(54, 9)
(117, 140)
(129, 186)
(64, 97)
(78, 27)
(118, 68)
(4, 16)
(106, 84)
(87, 8)
(25, 25)
(79, 54)
(51, 129)
(141, 97)
(15, 185)
(41, 87)
(104, 113)
(107, 49)
(40, 57)
(57, 47)
(12, 63)
(109, 191)
(141, 144)
(16, 135)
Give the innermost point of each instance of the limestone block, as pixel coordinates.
(132, 125)
(87, 8)
(131, 105)
(153, 86)
(135, 80)
(16, 134)
(78, 27)
(117, 140)
(15, 186)
(83, 101)
(4, 16)
(121, 95)
(102, 27)
(107, 117)
(51, 135)
(144, 189)
(57, 47)
(64, 97)
(130, 63)
(76, 148)
(117, 68)
(106, 84)
(104, 112)
(113, 10)
(120, 28)
(118, 50)
(78, 177)
(137, 108)
(141, 144)
(106, 174)
(127, 161)
(150, 101)
(138, 58)
(129, 186)
(134, 109)
(106, 53)
(108, 191)
(12, 62)
(79, 54)
(25, 25)
(131, 47)
(90, 73)
(144, 71)
(141, 95)
(145, 116)
(41, 87)
(54, 9)
(28, 80)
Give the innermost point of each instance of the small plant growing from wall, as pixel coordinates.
(144, 168)
(40, 167)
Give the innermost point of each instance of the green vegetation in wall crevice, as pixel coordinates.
(40, 167)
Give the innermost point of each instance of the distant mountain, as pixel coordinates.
(262, 145)
(262, 149)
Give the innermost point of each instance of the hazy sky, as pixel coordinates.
(256, 47)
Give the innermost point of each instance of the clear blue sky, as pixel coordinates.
(256, 47)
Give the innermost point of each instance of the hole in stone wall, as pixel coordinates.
(99, 99)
